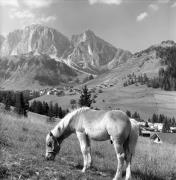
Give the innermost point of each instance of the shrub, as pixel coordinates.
(93, 101)
(4, 171)
(51, 120)
(100, 90)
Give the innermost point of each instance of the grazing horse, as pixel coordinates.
(98, 125)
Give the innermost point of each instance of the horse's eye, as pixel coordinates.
(49, 144)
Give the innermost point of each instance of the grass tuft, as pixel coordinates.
(4, 171)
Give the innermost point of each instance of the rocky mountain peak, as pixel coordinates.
(92, 54)
(168, 43)
(35, 38)
(2, 38)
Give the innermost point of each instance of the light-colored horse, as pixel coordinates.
(100, 126)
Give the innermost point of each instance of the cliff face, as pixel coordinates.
(26, 72)
(35, 38)
(92, 54)
(1, 40)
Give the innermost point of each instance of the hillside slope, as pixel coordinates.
(33, 72)
(146, 61)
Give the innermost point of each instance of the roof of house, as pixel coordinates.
(154, 136)
(165, 137)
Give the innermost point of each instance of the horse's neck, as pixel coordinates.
(62, 128)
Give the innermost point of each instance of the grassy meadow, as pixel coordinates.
(22, 149)
(142, 99)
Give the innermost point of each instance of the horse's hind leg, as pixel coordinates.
(128, 166)
(88, 152)
(85, 149)
(120, 157)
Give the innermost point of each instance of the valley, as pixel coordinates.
(141, 99)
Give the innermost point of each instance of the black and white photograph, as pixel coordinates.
(88, 89)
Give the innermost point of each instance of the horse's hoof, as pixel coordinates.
(116, 178)
(83, 170)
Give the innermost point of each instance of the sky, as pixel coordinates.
(128, 24)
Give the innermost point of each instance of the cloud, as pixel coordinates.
(13, 3)
(173, 5)
(142, 16)
(28, 17)
(27, 3)
(109, 2)
(154, 7)
(21, 14)
(48, 19)
(37, 3)
(164, 1)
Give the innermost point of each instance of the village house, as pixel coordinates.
(160, 138)
(156, 139)
(158, 126)
(173, 129)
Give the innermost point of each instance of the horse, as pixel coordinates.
(98, 125)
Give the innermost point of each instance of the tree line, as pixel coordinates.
(20, 102)
(51, 110)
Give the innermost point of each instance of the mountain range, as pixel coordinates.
(40, 55)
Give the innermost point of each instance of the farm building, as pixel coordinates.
(158, 126)
(173, 129)
(145, 133)
(160, 138)
(156, 139)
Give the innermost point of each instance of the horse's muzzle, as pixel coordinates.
(50, 157)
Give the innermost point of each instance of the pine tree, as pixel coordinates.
(128, 113)
(166, 127)
(154, 118)
(73, 103)
(7, 101)
(60, 113)
(39, 107)
(51, 112)
(85, 98)
(56, 110)
(45, 108)
(20, 107)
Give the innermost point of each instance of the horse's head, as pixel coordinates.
(52, 146)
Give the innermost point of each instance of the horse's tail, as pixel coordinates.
(130, 143)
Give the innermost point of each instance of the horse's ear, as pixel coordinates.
(50, 133)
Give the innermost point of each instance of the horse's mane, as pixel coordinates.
(66, 120)
(73, 113)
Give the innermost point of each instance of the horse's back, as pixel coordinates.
(94, 125)
(102, 124)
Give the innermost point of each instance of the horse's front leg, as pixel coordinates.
(85, 149)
